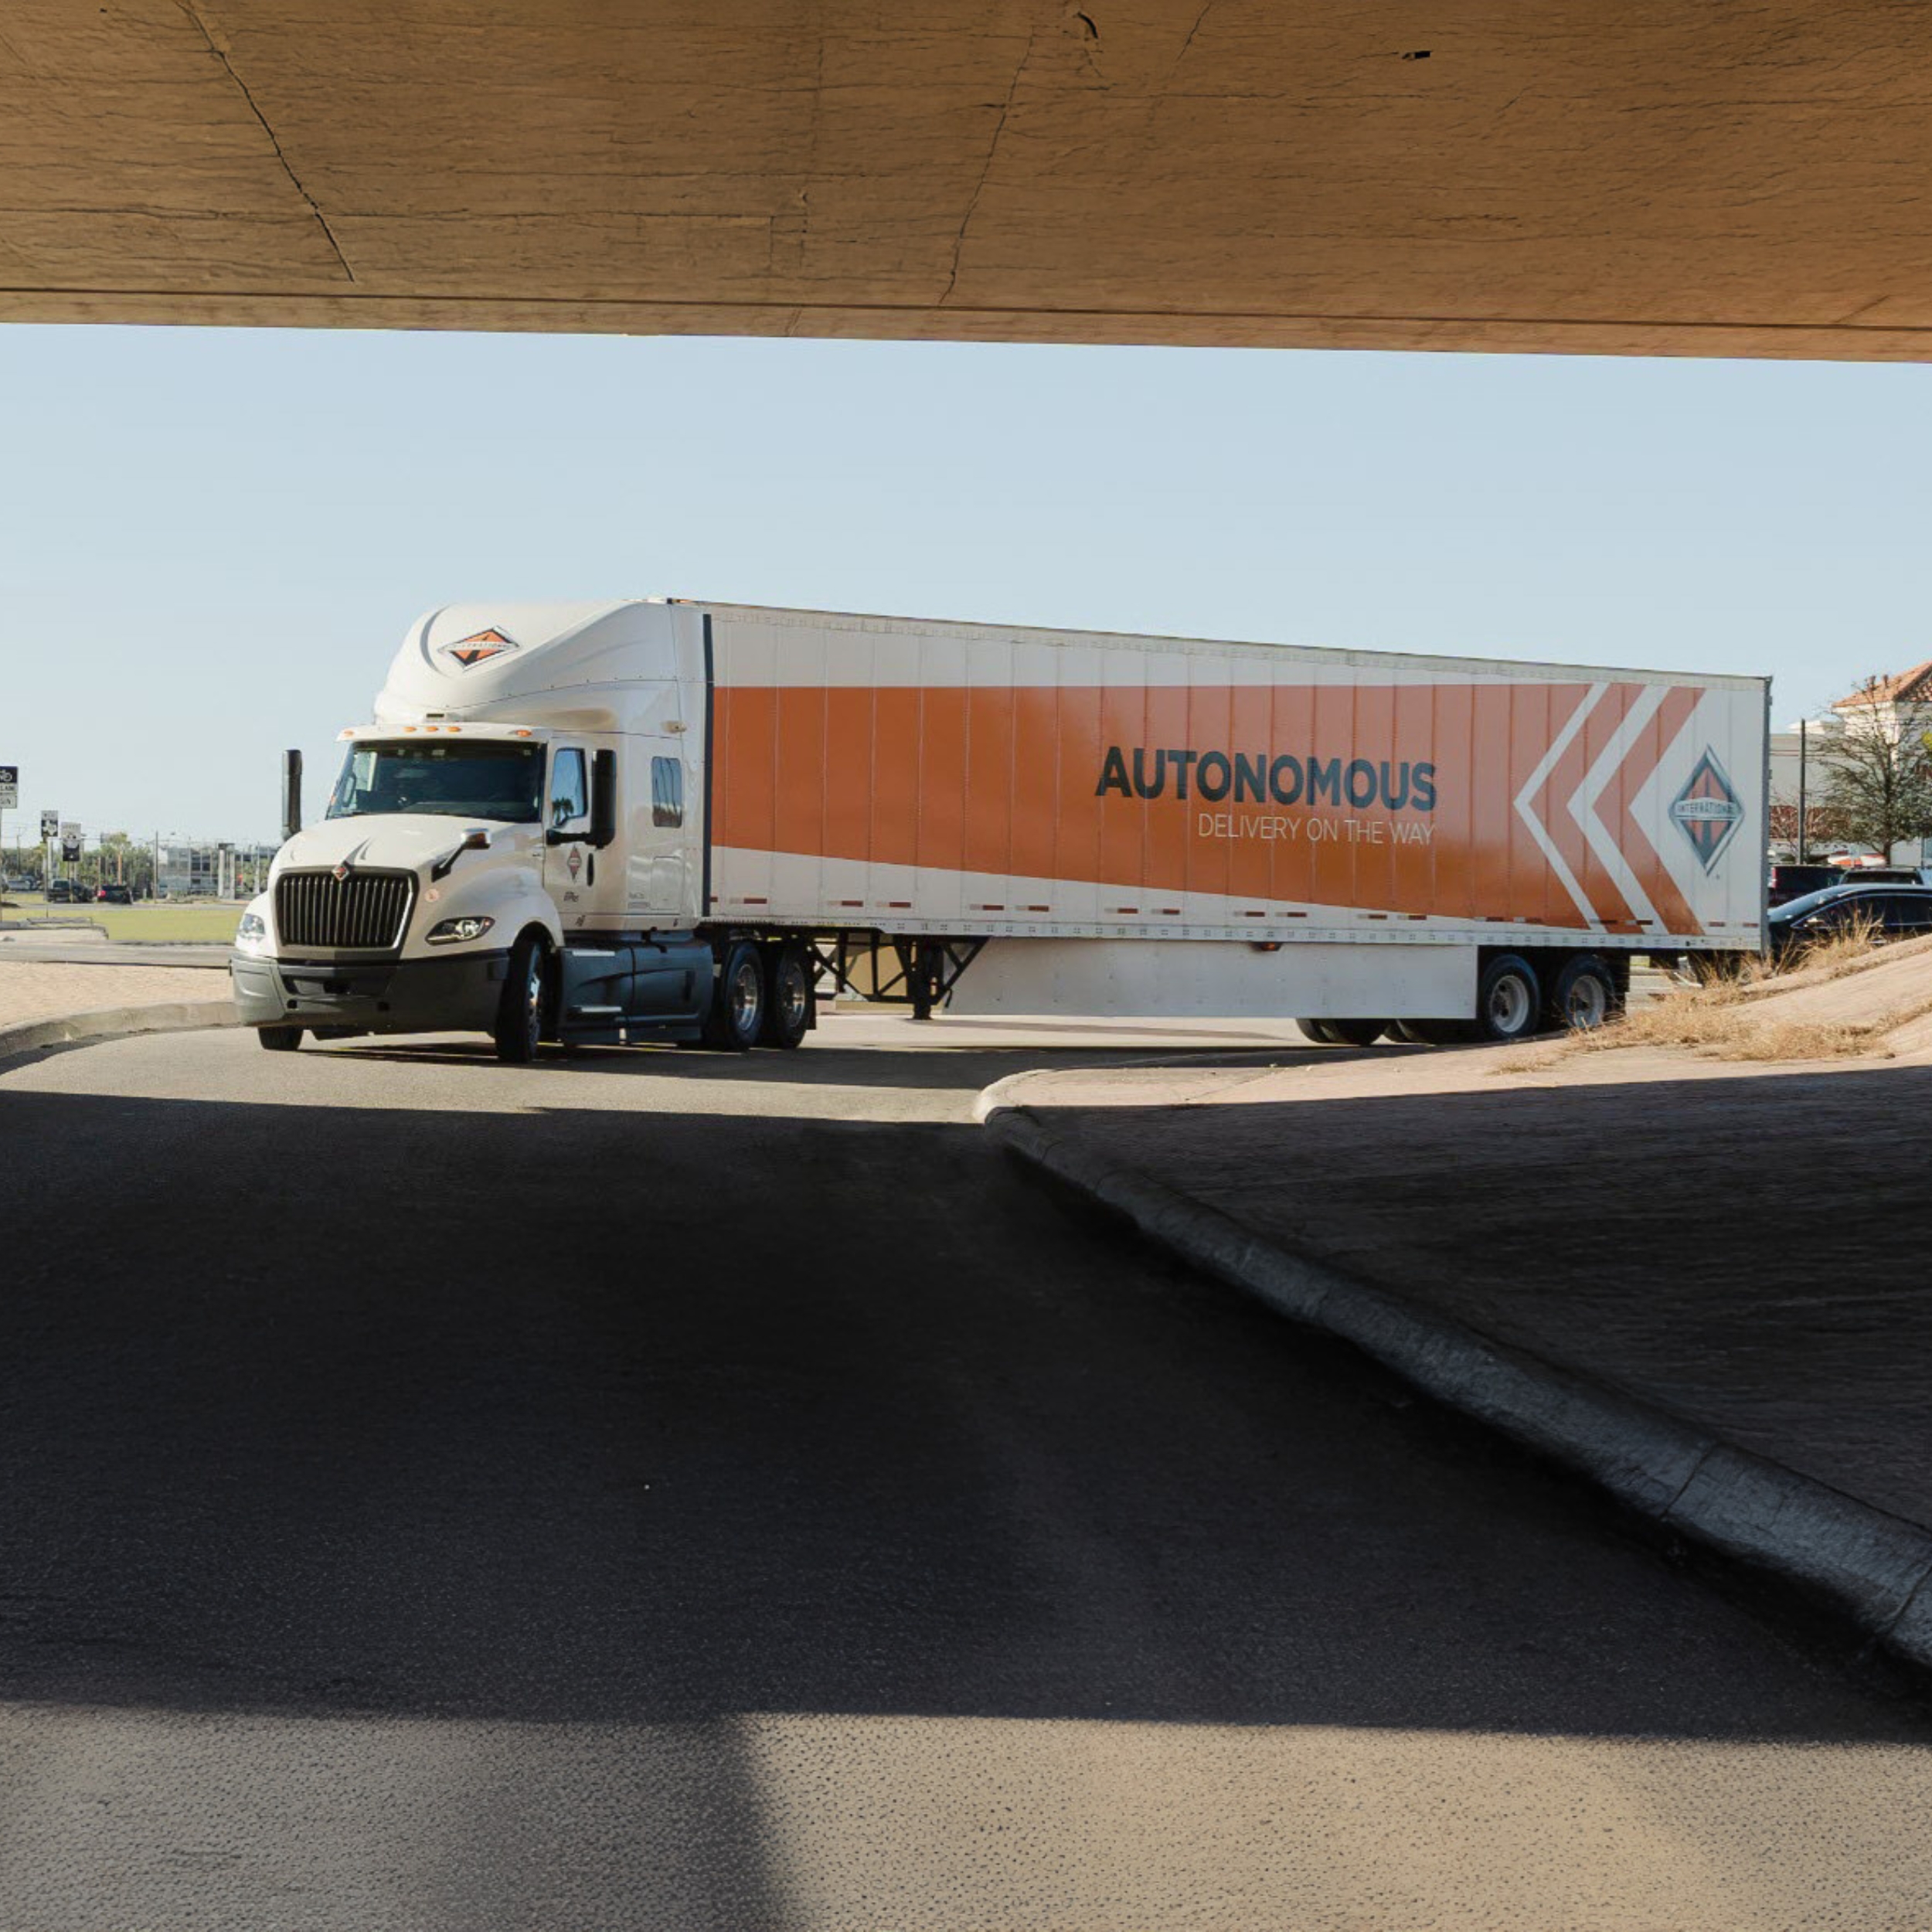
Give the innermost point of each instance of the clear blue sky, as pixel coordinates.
(211, 542)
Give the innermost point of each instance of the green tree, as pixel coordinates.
(1877, 776)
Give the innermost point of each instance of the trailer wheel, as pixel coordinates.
(1357, 1033)
(1404, 1032)
(1508, 1001)
(1584, 996)
(522, 1015)
(279, 1039)
(1342, 1033)
(737, 1010)
(788, 1002)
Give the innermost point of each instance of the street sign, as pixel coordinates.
(49, 826)
(69, 842)
(9, 788)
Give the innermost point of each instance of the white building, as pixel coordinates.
(1800, 759)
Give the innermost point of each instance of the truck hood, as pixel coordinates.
(394, 842)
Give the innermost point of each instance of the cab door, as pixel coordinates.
(585, 886)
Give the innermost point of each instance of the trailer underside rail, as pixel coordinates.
(918, 973)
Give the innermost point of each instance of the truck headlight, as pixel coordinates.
(252, 930)
(447, 932)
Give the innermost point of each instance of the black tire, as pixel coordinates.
(788, 996)
(1357, 1033)
(1342, 1033)
(1509, 1002)
(279, 1039)
(1584, 996)
(1405, 1033)
(737, 1012)
(523, 1013)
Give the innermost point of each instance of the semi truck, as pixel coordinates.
(675, 820)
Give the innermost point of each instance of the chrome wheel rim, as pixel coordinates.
(744, 997)
(533, 998)
(1588, 1006)
(1509, 1004)
(792, 993)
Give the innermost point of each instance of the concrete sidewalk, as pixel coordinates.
(1686, 1272)
(35, 990)
(45, 1004)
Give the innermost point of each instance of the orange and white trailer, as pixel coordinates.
(684, 816)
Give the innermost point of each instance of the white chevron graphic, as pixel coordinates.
(1609, 762)
(1525, 805)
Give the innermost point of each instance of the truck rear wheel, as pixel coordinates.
(1508, 1000)
(737, 1013)
(523, 1013)
(788, 1003)
(279, 1039)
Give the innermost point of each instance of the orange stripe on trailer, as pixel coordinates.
(1401, 797)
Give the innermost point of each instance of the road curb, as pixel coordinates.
(1872, 1567)
(113, 1022)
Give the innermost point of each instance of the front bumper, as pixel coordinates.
(459, 994)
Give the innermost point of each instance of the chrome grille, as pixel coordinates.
(364, 913)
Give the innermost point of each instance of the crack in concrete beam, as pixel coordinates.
(979, 186)
(218, 46)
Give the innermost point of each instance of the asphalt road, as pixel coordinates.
(661, 1490)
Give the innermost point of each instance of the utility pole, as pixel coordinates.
(1802, 740)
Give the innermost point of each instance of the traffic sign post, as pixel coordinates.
(9, 800)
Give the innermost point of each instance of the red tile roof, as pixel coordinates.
(1908, 687)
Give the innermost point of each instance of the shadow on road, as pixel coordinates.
(659, 1417)
(1747, 1252)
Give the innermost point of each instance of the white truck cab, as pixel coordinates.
(515, 845)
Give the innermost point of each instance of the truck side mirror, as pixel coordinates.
(603, 798)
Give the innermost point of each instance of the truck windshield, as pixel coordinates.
(482, 779)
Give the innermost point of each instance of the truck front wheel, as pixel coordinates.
(737, 1014)
(279, 1039)
(521, 1014)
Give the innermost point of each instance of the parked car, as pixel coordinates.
(1794, 882)
(115, 895)
(59, 893)
(1893, 911)
(1880, 876)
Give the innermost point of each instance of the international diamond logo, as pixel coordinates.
(1707, 810)
(479, 647)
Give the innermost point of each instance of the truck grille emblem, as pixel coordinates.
(478, 647)
(341, 873)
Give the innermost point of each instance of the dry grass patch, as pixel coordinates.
(1719, 1020)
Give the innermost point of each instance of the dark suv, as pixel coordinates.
(1894, 912)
